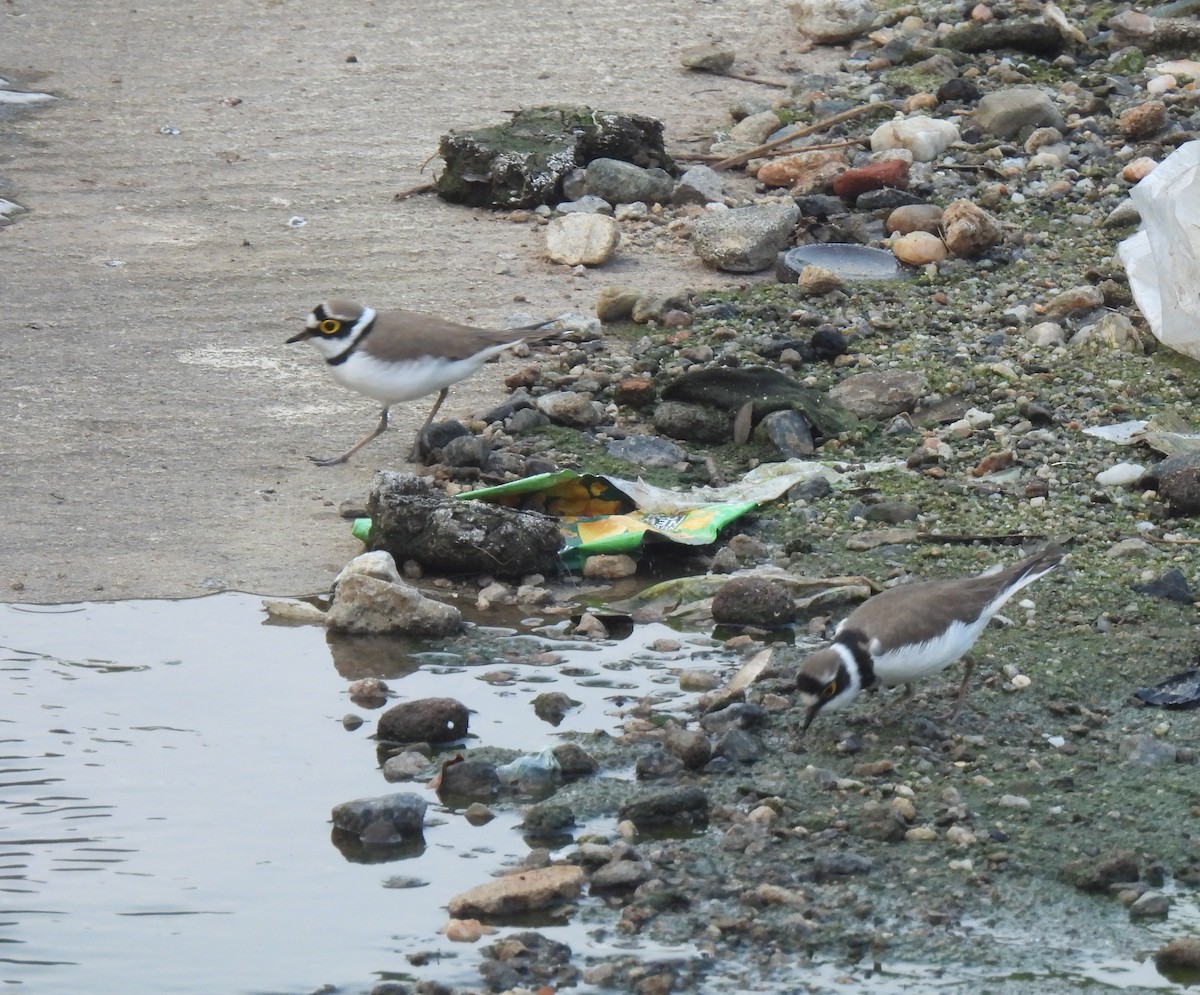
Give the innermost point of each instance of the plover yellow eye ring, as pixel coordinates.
(329, 327)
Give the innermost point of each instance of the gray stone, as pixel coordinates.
(466, 450)
(565, 407)
(469, 779)
(552, 706)
(699, 185)
(745, 239)
(674, 807)
(709, 57)
(658, 765)
(1147, 751)
(647, 451)
(424, 720)
(689, 745)
(1177, 480)
(620, 874)
(840, 864)
(1098, 875)
(574, 760)
(364, 605)
(693, 422)
(623, 183)
(587, 204)
(738, 746)
(616, 303)
(879, 394)
(383, 820)
(1005, 113)
(789, 432)
(753, 600)
(450, 535)
(1151, 905)
(828, 22)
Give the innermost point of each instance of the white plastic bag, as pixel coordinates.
(1163, 259)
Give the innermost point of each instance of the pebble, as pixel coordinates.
(886, 173)
(582, 239)
(745, 239)
(519, 893)
(918, 248)
(609, 566)
(828, 22)
(925, 137)
(914, 217)
(1121, 475)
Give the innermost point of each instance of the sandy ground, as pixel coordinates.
(155, 426)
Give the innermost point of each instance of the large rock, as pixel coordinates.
(447, 535)
(520, 893)
(523, 162)
(828, 22)
(745, 239)
(424, 720)
(582, 239)
(624, 183)
(674, 807)
(881, 394)
(751, 600)
(384, 820)
(1005, 113)
(366, 605)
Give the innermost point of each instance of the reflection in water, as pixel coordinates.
(167, 770)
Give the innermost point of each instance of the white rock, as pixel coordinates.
(828, 22)
(378, 563)
(924, 137)
(1046, 333)
(1121, 475)
(582, 239)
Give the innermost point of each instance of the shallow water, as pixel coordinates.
(168, 769)
(168, 772)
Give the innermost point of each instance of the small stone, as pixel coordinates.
(478, 814)
(1151, 905)
(1180, 954)
(1121, 475)
(914, 217)
(609, 566)
(590, 626)
(1138, 169)
(805, 173)
(829, 22)
(404, 766)
(1004, 113)
(818, 280)
(568, 408)
(519, 893)
(616, 303)
(698, 680)
(637, 392)
(689, 745)
(582, 239)
(753, 600)
(1114, 332)
(925, 137)
(685, 806)
(745, 239)
(465, 930)
(711, 57)
(1014, 801)
(699, 185)
(918, 248)
(886, 173)
(880, 394)
(1143, 121)
(968, 229)
(1074, 300)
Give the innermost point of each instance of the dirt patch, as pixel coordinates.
(157, 427)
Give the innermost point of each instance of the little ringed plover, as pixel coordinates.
(912, 631)
(395, 356)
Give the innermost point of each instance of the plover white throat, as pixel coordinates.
(395, 356)
(912, 631)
